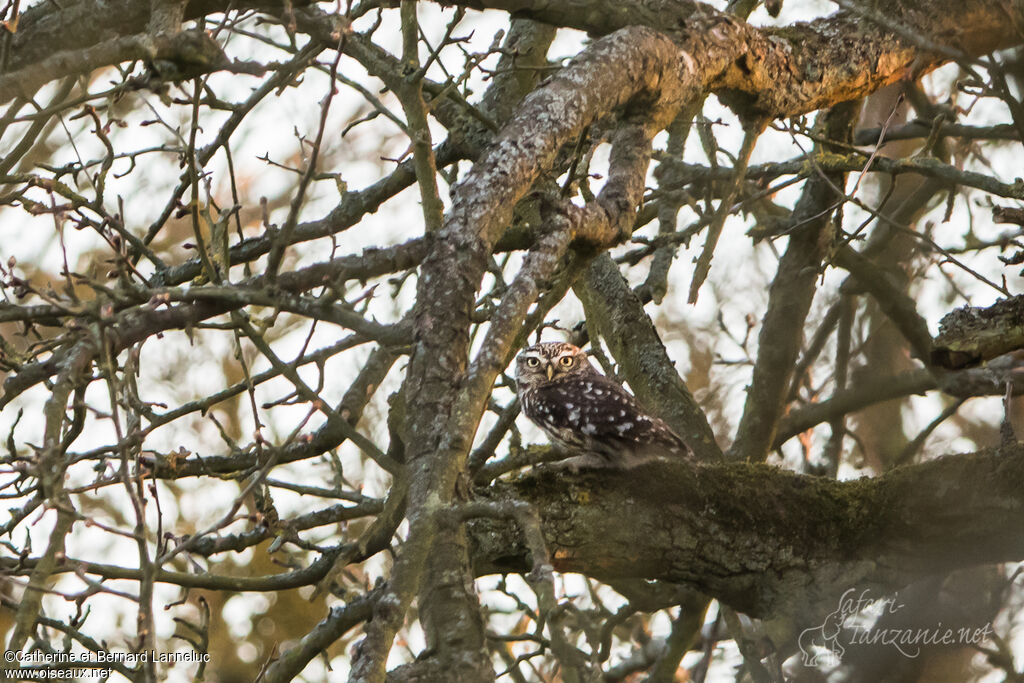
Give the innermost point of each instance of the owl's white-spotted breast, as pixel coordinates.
(585, 412)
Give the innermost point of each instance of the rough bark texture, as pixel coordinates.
(450, 397)
(969, 336)
(802, 68)
(766, 541)
(774, 72)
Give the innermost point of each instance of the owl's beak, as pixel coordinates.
(551, 371)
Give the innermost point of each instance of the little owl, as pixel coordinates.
(585, 412)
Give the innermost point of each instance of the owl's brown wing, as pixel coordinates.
(595, 414)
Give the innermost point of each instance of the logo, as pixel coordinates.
(856, 619)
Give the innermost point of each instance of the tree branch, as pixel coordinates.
(763, 540)
(790, 296)
(802, 67)
(968, 336)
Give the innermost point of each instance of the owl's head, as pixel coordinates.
(550, 361)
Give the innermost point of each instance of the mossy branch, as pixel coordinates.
(763, 540)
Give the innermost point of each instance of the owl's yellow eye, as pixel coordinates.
(566, 360)
(532, 362)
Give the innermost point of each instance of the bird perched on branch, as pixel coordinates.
(586, 412)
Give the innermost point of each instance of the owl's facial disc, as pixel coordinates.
(529, 362)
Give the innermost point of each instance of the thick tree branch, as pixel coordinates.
(766, 541)
(635, 70)
(774, 72)
(753, 536)
(81, 25)
(968, 336)
(790, 296)
(192, 51)
(632, 338)
(802, 67)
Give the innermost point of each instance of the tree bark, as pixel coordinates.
(762, 540)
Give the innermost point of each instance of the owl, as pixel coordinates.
(585, 412)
